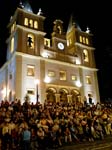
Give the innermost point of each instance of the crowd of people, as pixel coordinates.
(31, 126)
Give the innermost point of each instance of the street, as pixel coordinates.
(105, 144)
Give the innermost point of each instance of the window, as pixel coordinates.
(85, 55)
(30, 40)
(13, 27)
(74, 78)
(88, 79)
(80, 39)
(47, 42)
(30, 70)
(87, 41)
(69, 42)
(26, 21)
(51, 73)
(35, 24)
(84, 40)
(30, 91)
(12, 45)
(62, 75)
(31, 23)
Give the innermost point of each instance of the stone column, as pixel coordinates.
(79, 99)
(57, 96)
(69, 98)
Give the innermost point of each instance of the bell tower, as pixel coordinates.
(26, 31)
(58, 36)
(25, 41)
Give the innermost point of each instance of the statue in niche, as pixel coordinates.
(55, 29)
(84, 55)
(30, 41)
(58, 28)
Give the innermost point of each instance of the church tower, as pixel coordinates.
(80, 45)
(25, 43)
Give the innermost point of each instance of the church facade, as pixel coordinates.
(60, 68)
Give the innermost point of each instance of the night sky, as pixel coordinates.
(95, 15)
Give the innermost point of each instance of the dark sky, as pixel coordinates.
(93, 14)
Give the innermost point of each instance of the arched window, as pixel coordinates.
(35, 24)
(26, 21)
(51, 95)
(31, 23)
(84, 40)
(80, 39)
(63, 94)
(87, 41)
(75, 96)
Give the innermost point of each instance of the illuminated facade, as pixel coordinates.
(64, 64)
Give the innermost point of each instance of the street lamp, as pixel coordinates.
(37, 83)
(78, 83)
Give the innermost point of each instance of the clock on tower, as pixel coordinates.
(61, 46)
